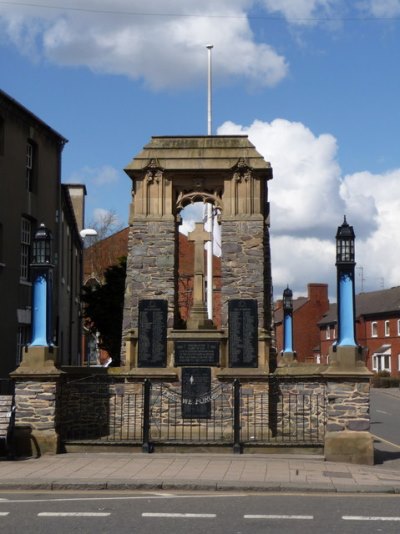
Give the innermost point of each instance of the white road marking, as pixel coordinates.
(161, 514)
(73, 514)
(4, 513)
(369, 518)
(386, 441)
(382, 411)
(275, 516)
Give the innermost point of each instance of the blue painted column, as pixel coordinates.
(346, 322)
(42, 296)
(39, 312)
(345, 265)
(288, 333)
(287, 320)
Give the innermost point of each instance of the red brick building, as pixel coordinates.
(307, 311)
(377, 329)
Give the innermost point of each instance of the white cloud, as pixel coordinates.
(300, 11)
(383, 8)
(308, 199)
(100, 176)
(164, 51)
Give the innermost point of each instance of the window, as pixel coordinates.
(398, 327)
(398, 362)
(374, 329)
(1, 246)
(1, 136)
(23, 338)
(387, 328)
(381, 362)
(26, 232)
(30, 166)
(328, 332)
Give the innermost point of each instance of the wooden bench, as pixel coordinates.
(7, 418)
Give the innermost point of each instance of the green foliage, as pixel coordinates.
(104, 309)
(382, 379)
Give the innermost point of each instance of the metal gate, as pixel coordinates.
(151, 414)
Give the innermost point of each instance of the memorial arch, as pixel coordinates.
(167, 175)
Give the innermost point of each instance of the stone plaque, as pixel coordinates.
(152, 343)
(196, 352)
(243, 333)
(196, 393)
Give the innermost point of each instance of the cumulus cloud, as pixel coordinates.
(100, 176)
(383, 8)
(162, 45)
(309, 197)
(301, 11)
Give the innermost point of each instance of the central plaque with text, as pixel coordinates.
(243, 333)
(196, 393)
(196, 352)
(152, 343)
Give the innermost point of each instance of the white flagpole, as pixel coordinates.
(210, 225)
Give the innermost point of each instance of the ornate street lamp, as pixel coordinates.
(345, 265)
(287, 320)
(42, 297)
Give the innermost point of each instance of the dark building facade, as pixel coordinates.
(31, 193)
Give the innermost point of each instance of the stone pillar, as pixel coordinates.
(36, 383)
(150, 271)
(347, 437)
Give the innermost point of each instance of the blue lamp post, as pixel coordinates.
(345, 265)
(42, 288)
(287, 320)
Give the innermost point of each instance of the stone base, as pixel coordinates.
(30, 443)
(350, 447)
(346, 360)
(37, 360)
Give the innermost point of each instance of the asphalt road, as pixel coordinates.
(183, 513)
(385, 425)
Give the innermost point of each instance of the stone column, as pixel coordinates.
(36, 383)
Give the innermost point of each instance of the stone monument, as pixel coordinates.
(167, 175)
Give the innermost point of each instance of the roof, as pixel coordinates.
(384, 301)
(200, 153)
(297, 303)
(32, 117)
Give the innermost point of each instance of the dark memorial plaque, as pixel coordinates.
(196, 352)
(196, 393)
(152, 344)
(243, 333)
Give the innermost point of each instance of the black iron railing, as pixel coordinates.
(152, 414)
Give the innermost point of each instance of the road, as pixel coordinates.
(195, 513)
(385, 425)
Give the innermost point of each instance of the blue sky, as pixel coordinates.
(314, 83)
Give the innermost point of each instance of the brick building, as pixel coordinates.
(377, 329)
(307, 311)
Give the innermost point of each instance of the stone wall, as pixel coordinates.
(150, 269)
(348, 405)
(242, 266)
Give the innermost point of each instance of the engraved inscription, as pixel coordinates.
(196, 353)
(196, 393)
(152, 343)
(243, 333)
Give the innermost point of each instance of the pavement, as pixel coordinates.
(205, 472)
(200, 472)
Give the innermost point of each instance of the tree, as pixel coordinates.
(103, 309)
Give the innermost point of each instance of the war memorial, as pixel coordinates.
(209, 383)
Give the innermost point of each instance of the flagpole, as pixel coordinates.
(210, 225)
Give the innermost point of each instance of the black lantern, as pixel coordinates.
(345, 243)
(287, 300)
(41, 247)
